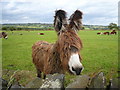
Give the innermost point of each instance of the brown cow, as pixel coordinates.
(106, 33)
(4, 35)
(113, 32)
(40, 33)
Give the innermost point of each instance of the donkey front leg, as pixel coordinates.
(38, 73)
(44, 76)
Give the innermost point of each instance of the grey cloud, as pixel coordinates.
(95, 11)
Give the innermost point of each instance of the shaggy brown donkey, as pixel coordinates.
(64, 54)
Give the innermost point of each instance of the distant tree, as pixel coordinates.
(113, 26)
(12, 28)
(19, 28)
(83, 28)
(4, 28)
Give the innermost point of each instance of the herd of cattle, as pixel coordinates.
(5, 35)
(107, 33)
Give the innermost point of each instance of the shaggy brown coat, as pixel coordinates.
(53, 58)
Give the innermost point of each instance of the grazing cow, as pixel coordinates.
(40, 33)
(64, 55)
(99, 33)
(106, 33)
(4, 35)
(113, 32)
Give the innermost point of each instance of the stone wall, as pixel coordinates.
(54, 81)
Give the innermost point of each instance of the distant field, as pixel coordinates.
(100, 52)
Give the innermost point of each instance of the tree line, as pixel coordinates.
(13, 28)
(111, 26)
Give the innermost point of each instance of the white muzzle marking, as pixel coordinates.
(74, 62)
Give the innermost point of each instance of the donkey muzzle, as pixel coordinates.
(77, 70)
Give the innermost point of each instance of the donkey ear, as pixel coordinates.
(60, 21)
(75, 20)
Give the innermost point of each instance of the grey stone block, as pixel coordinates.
(80, 82)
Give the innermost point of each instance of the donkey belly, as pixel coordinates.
(40, 54)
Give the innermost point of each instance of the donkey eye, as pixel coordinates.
(73, 49)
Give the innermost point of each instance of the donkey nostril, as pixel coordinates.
(78, 71)
(81, 69)
(73, 69)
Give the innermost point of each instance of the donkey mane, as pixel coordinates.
(68, 41)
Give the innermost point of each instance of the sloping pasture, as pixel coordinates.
(99, 53)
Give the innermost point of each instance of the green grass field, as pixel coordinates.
(99, 53)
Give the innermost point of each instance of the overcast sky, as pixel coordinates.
(96, 12)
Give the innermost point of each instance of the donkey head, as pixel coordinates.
(69, 43)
